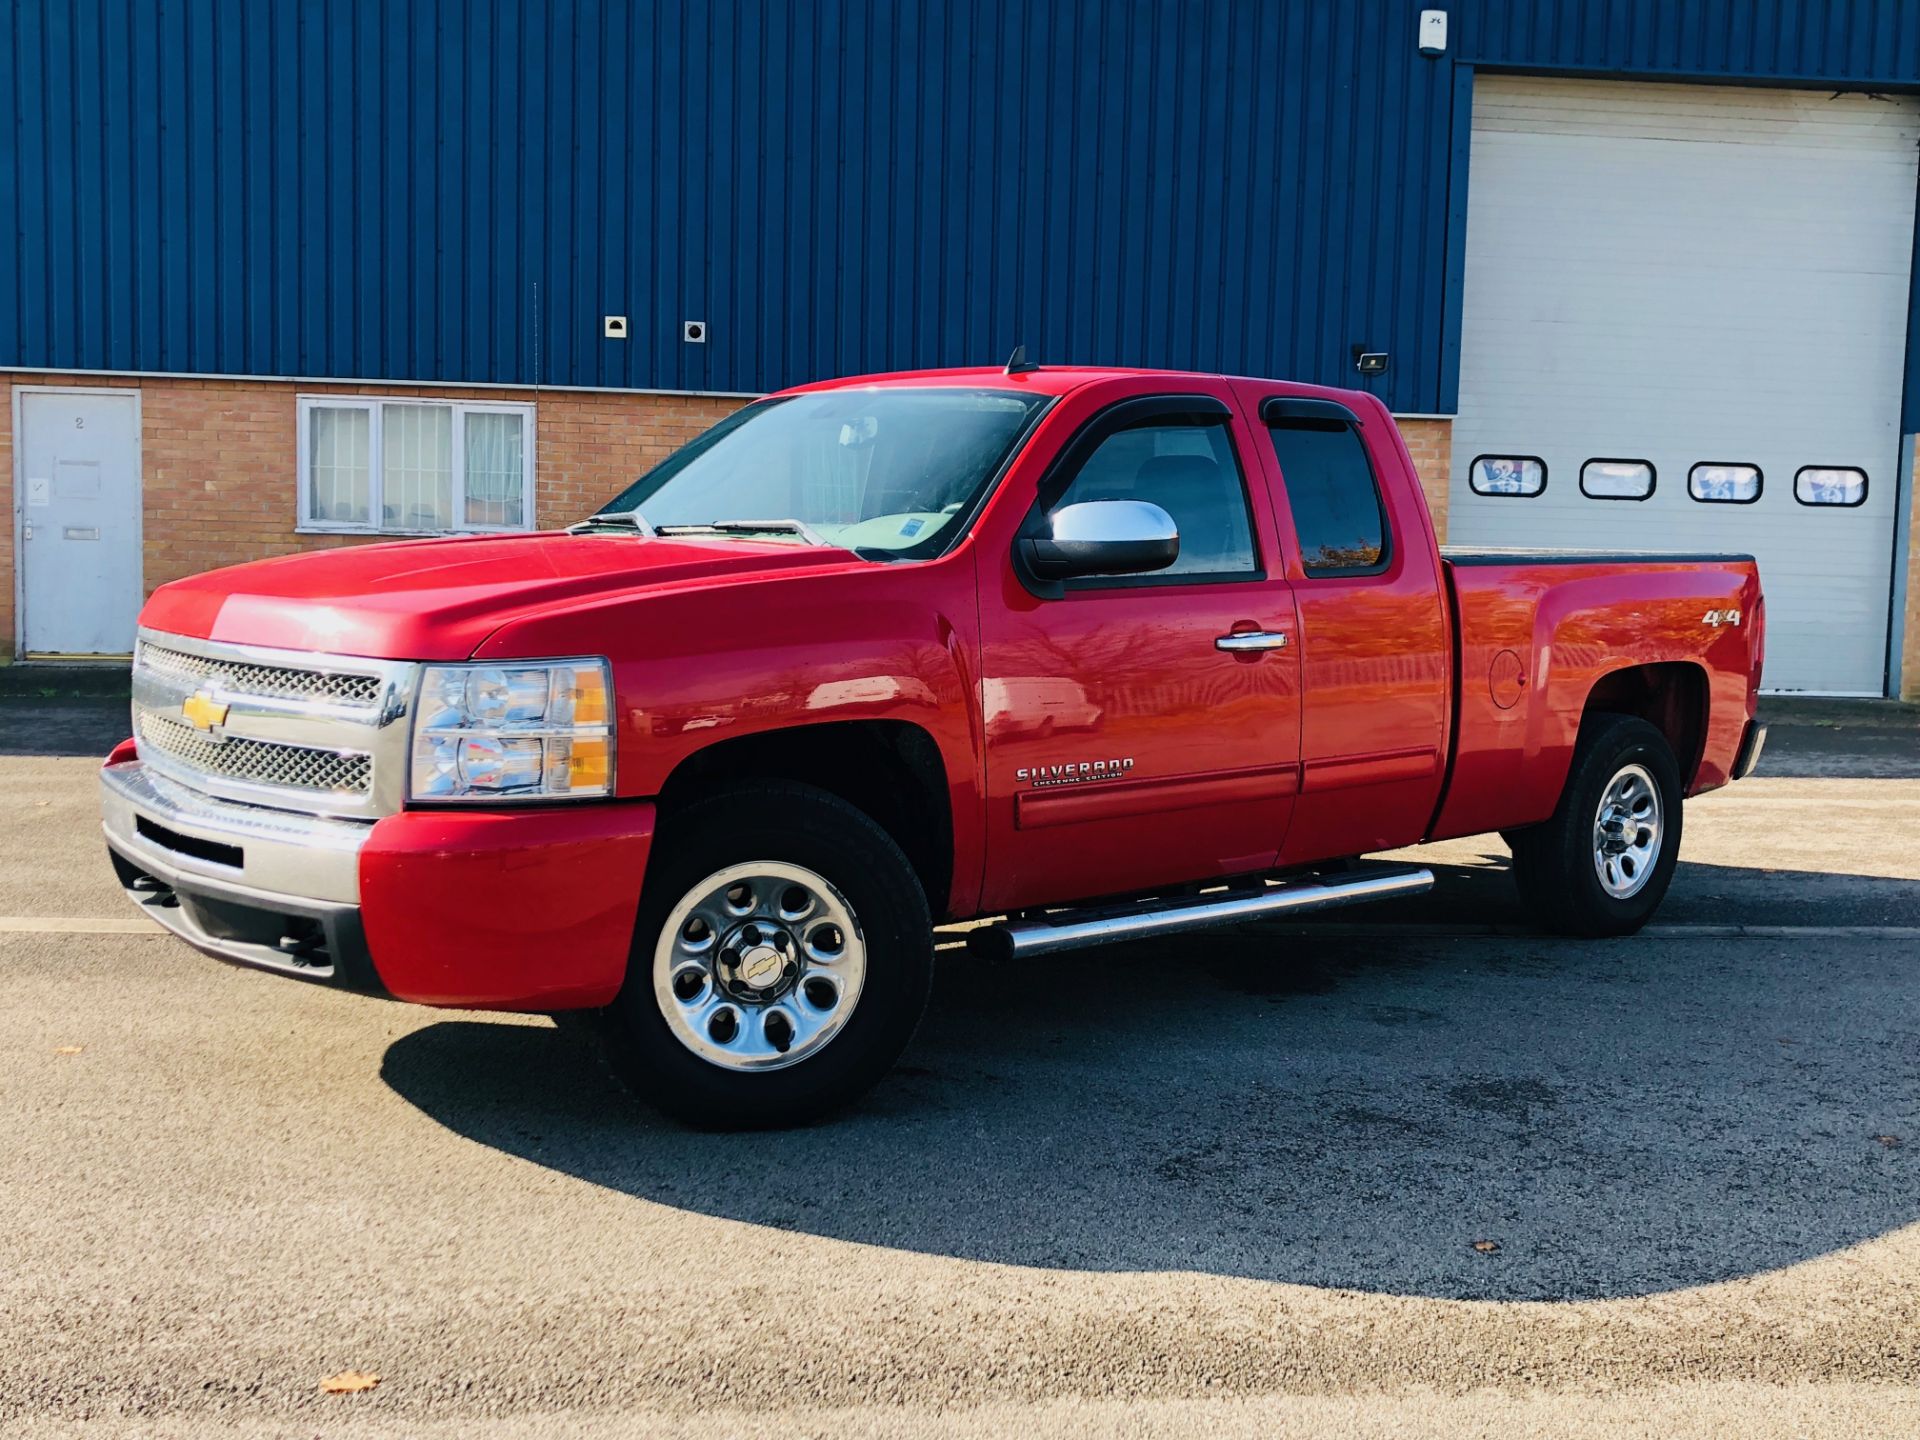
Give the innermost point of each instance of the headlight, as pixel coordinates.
(513, 730)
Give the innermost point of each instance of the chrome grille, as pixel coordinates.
(273, 681)
(258, 762)
(297, 730)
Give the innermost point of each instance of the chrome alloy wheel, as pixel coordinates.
(1627, 832)
(759, 966)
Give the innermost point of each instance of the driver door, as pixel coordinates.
(1132, 741)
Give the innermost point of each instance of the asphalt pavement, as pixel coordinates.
(1411, 1170)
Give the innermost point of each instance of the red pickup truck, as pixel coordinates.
(1103, 653)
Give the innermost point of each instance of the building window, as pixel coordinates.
(414, 467)
(1725, 484)
(1617, 479)
(1332, 496)
(1818, 485)
(1522, 475)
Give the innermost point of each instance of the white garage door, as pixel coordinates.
(1705, 289)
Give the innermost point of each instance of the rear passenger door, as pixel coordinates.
(1375, 647)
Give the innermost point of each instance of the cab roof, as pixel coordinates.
(1059, 380)
(1046, 380)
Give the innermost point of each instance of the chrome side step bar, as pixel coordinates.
(1076, 929)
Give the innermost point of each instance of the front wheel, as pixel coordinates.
(1602, 864)
(781, 961)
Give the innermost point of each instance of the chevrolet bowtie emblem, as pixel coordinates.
(202, 711)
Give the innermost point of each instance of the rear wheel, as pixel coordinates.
(781, 961)
(1602, 864)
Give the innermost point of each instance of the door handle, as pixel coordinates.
(1243, 640)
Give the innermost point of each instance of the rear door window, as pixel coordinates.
(1333, 495)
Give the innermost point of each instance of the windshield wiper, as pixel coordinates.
(631, 518)
(751, 527)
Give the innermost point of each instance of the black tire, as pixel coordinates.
(797, 825)
(1553, 862)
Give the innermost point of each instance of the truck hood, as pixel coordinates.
(439, 599)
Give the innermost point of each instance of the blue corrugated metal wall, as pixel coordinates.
(460, 190)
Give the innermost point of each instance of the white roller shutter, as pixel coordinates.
(1686, 274)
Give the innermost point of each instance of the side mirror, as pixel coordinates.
(1104, 537)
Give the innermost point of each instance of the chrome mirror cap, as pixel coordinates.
(1104, 537)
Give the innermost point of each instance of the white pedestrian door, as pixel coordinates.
(78, 474)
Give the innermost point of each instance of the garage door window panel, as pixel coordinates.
(1719, 482)
(1618, 479)
(1822, 485)
(413, 467)
(1513, 476)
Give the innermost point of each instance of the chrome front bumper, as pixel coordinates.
(260, 887)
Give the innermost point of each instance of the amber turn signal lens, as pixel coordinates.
(589, 696)
(589, 765)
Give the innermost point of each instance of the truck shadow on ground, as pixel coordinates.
(1361, 1112)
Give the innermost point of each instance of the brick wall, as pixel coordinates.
(218, 462)
(1430, 442)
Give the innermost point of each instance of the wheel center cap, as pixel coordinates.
(762, 967)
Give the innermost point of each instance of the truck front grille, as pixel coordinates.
(258, 762)
(273, 681)
(292, 730)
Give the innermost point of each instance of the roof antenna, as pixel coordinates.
(1018, 363)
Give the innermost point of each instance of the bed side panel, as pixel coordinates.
(1534, 640)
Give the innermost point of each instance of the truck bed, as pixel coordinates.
(1527, 555)
(1544, 634)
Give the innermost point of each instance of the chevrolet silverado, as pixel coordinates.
(1082, 654)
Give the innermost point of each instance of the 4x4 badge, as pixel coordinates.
(1721, 617)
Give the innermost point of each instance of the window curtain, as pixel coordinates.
(339, 443)
(495, 469)
(416, 467)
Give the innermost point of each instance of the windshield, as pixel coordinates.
(897, 471)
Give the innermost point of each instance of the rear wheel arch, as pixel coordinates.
(1670, 695)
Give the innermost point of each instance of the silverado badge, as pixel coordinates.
(1073, 773)
(202, 711)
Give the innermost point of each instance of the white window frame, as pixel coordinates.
(376, 406)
